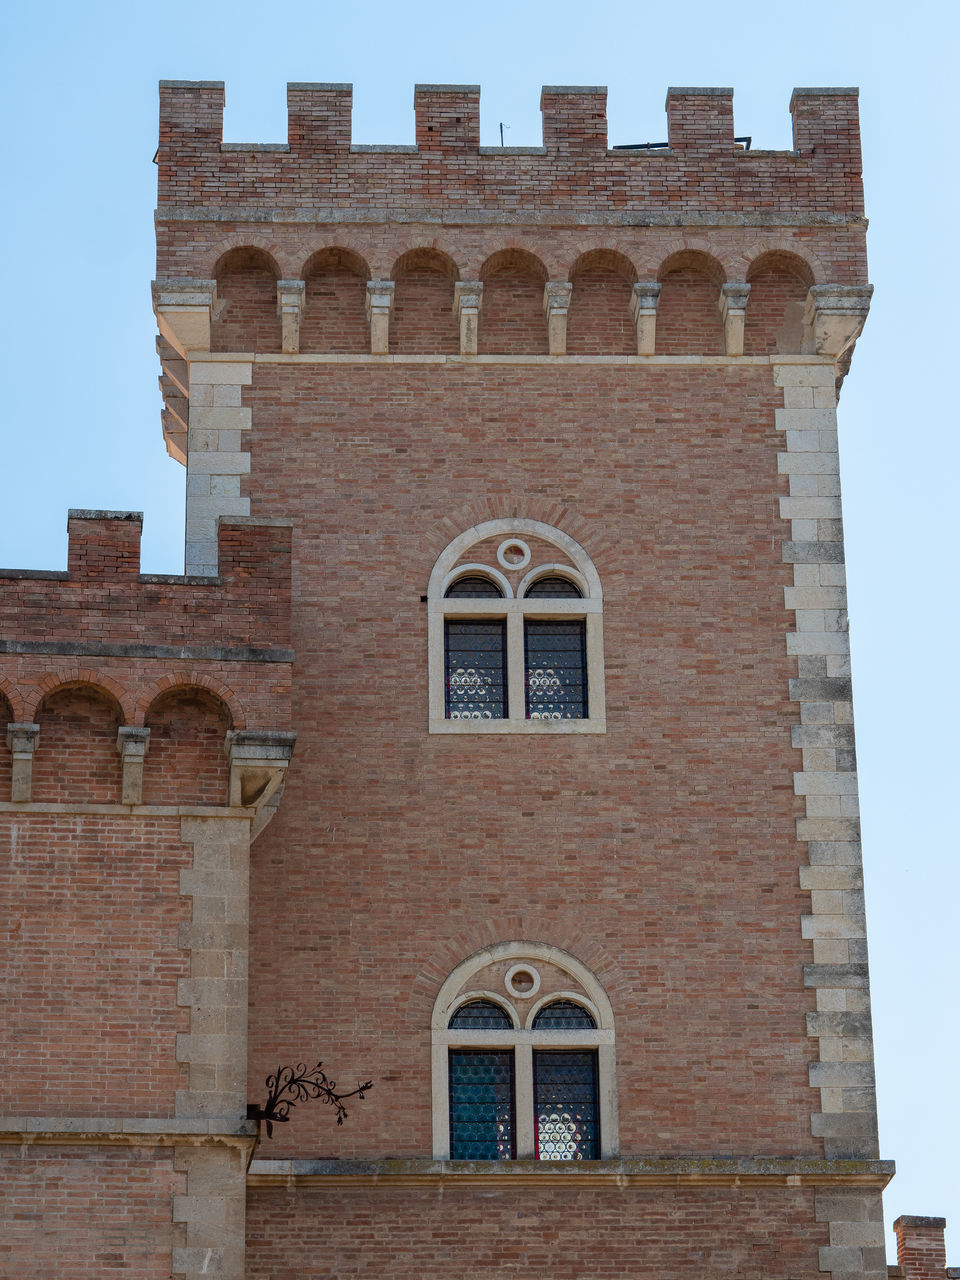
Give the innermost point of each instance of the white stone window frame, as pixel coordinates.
(523, 1040)
(516, 610)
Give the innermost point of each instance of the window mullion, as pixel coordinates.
(523, 1085)
(516, 667)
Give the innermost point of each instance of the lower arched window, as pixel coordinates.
(525, 1070)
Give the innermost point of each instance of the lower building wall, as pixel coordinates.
(565, 1233)
(86, 1212)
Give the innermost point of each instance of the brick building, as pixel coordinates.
(513, 503)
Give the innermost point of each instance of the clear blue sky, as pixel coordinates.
(81, 407)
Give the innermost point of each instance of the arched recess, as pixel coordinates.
(185, 761)
(522, 979)
(76, 758)
(422, 321)
(6, 760)
(512, 319)
(246, 316)
(599, 320)
(779, 282)
(334, 308)
(688, 314)
(15, 703)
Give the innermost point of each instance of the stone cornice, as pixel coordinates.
(676, 1171)
(189, 652)
(514, 218)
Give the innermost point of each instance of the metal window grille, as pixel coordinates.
(555, 662)
(563, 1015)
(480, 1015)
(566, 1105)
(472, 586)
(482, 1105)
(555, 588)
(476, 662)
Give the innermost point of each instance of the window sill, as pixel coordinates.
(543, 728)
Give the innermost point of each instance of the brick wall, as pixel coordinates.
(663, 854)
(568, 1234)
(90, 913)
(87, 1213)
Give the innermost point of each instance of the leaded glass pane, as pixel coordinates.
(472, 586)
(556, 670)
(563, 1015)
(481, 1105)
(481, 1015)
(554, 587)
(475, 668)
(566, 1107)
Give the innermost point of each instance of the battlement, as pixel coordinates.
(104, 599)
(701, 167)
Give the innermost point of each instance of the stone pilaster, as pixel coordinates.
(212, 1211)
(132, 743)
(214, 1050)
(733, 312)
(22, 741)
(290, 294)
(467, 296)
(379, 302)
(556, 304)
(643, 308)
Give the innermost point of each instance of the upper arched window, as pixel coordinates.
(523, 1059)
(516, 633)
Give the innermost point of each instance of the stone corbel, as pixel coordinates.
(834, 317)
(258, 766)
(132, 743)
(22, 741)
(467, 295)
(733, 311)
(184, 309)
(290, 308)
(556, 304)
(643, 308)
(379, 301)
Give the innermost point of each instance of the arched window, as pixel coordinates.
(523, 1059)
(516, 633)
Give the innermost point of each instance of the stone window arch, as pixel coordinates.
(515, 633)
(524, 1063)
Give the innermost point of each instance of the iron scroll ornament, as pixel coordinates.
(290, 1085)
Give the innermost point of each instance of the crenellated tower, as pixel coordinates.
(513, 494)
